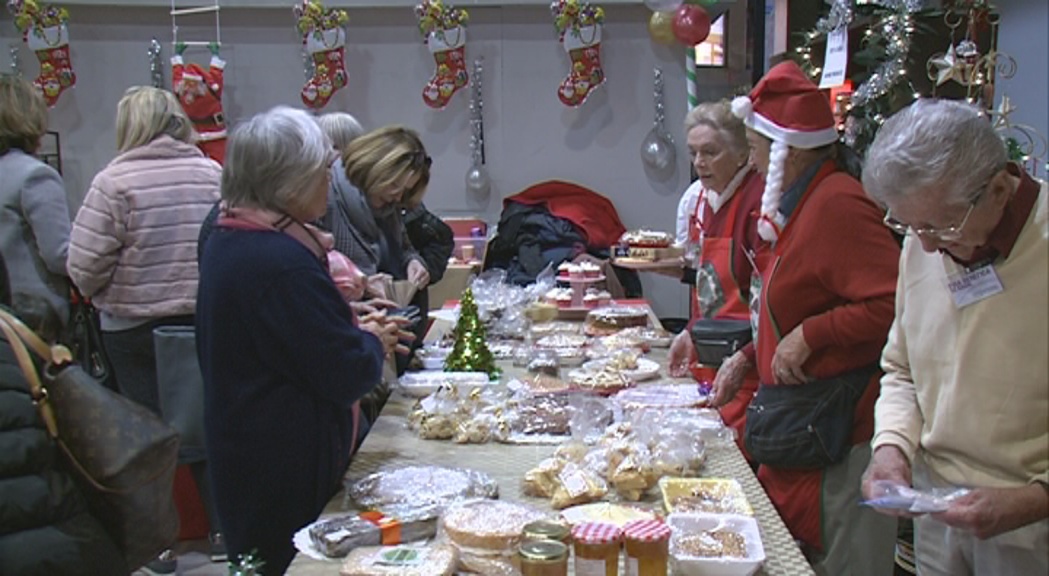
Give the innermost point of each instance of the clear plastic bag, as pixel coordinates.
(420, 486)
(892, 496)
(590, 416)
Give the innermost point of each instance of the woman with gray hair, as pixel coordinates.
(341, 128)
(721, 230)
(966, 386)
(283, 362)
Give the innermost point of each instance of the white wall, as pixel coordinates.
(1024, 35)
(530, 135)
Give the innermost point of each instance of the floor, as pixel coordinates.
(193, 561)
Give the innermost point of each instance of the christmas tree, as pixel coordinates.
(470, 352)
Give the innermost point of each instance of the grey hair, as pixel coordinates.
(718, 115)
(933, 142)
(274, 159)
(341, 128)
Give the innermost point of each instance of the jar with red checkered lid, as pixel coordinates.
(647, 544)
(597, 547)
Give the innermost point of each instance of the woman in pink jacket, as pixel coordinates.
(133, 247)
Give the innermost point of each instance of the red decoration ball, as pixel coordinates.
(691, 24)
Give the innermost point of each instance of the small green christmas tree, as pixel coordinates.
(470, 352)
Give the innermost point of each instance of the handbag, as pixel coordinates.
(122, 455)
(180, 389)
(718, 338)
(84, 337)
(805, 426)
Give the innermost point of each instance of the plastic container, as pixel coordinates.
(596, 548)
(543, 558)
(689, 525)
(647, 546)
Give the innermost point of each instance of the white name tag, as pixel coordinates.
(973, 286)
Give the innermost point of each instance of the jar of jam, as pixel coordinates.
(647, 545)
(597, 547)
(544, 530)
(543, 558)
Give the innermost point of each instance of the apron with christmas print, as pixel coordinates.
(718, 295)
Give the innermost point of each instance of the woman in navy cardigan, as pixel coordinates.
(283, 360)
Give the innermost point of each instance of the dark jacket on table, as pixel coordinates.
(282, 365)
(45, 526)
(375, 242)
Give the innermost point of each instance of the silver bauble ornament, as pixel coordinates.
(656, 152)
(478, 181)
(663, 5)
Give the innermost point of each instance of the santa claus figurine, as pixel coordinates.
(200, 92)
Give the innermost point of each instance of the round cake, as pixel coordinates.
(611, 319)
(488, 524)
(646, 239)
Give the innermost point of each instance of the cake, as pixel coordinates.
(487, 524)
(590, 270)
(591, 300)
(610, 319)
(645, 244)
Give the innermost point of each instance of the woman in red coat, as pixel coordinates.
(826, 305)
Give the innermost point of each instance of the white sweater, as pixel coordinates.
(969, 388)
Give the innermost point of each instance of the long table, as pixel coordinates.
(391, 443)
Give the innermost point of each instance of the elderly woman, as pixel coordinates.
(722, 230)
(34, 216)
(966, 387)
(825, 310)
(282, 359)
(340, 127)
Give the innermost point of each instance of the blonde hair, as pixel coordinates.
(145, 113)
(383, 157)
(23, 115)
(341, 128)
(718, 116)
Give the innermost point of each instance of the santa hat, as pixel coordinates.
(787, 108)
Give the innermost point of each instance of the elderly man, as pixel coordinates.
(965, 397)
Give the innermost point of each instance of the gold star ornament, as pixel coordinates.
(948, 67)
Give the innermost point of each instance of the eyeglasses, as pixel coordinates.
(948, 234)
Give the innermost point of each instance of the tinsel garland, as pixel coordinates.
(156, 69)
(477, 114)
(16, 66)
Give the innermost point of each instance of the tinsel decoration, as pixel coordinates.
(657, 149)
(477, 179)
(246, 565)
(156, 70)
(307, 64)
(470, 353)
(16, 65)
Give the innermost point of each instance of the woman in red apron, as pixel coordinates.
(723, 244)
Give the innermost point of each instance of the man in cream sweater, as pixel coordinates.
(965, 397)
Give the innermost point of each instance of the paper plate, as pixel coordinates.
(646, 369)
(422, 384)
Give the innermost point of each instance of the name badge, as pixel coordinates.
(975, 285)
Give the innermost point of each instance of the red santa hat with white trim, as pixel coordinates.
(787, 108)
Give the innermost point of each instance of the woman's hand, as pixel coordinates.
(680, 355)
(729, 379)
(418, 274)
(791, 354)
(386, 331)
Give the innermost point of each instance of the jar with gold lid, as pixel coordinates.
(543, 558)
(546, 530)
(647, 545)
(596, 546)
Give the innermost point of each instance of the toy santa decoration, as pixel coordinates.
(199, 90)
(791, 111)
(443, 29)
(578, 27)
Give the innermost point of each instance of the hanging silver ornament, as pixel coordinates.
(16, 67)
(156, 70)
(657, 149)
(477, 180)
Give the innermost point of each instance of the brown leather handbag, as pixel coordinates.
(123, 456)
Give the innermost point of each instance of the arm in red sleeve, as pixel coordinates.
(859, 263)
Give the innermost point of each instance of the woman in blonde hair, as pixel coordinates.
(34, 215)
(134, 241)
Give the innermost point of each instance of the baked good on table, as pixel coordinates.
(644, 238)
(601, 382)
(720, 543)
(561, 341)
(611, 319)
(605, 512)
(487, 524)
(431, 560)
(421, 485)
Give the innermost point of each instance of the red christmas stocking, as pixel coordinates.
(327, 47)
(448, 47)
(51, 45)
(584, 49)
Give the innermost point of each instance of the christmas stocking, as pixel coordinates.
(327, 48)
(45, 31)
(584, 49)
(448, 47)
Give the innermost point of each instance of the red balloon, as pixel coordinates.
(691, 24)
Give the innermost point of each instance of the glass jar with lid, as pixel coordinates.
(647, 545)
(596, 546)
(546, 530)
(543, 558)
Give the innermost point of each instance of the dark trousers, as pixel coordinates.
(134, 362)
